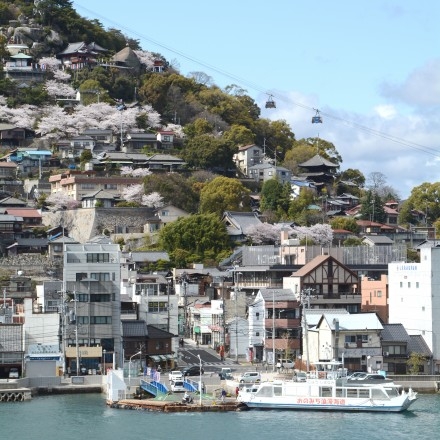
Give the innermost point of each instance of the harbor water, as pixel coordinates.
(86, 416)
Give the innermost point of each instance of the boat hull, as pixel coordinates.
(326, 396)
(322, 407)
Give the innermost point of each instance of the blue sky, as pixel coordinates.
(372, 67)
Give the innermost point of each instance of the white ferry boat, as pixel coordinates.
(329, 393)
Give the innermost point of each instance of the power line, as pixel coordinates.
(395, 139)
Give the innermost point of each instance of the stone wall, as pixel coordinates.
(85, 223)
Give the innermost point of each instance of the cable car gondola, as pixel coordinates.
(270, 103)
(317, 118)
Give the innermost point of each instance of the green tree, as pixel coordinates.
(352, 241)
(224, 194)
(415, 363)
(276, 136)
(351, 181)
(299, 153)
(271, 193)
(175, 189)
(345, 223)
(194, 239)
(298, 207)
(91, 91)
(372, 208)
(86, 156)
(424, 198)
(207, 152)
(239, 135)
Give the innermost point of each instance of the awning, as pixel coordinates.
(155, 358)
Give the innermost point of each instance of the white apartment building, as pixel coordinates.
(92, 314)
(414, 298)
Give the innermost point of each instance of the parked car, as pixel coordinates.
(13, 373)
(300, 376)
(193, 370)
(250, 377)
(177, 386)
(225, 374)
(175, 375)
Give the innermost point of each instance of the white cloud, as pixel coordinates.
(421, 88)
(401, 145)
(385, 111)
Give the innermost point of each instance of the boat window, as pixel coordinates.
(264, 391)
(277, 391)
(326, 392)
(364, 393)
(341, 392)
(352, 392)
(392, 392)
(378, 393)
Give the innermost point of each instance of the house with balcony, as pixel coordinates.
(81, 55)
(137, 141)
(12, 136)
(21, 68)
(274, 326)
(74, 147)
(324, 282)
(248, 156)
(354, 339)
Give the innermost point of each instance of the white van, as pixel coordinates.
(250, 377)
(177, 386)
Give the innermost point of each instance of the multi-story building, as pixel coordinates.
(92, 315)
(414, 298)
(274, 326)
(77, 184)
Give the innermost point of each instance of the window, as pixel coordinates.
(409, 284)
(257, 315)
(110, 186)
(82, 319)
(100, 276)
(417, 284)
(379, 293)
(401, 284)
(257, 333)
(157, 306)
(81, 276)
(100, 297)
(87, 186)
(100, 320)
(98, 258)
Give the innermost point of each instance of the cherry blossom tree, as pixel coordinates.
(61, 200)
(50, 63)
(137, 172)
(153, 200)
(146, 58)
(133, 193)
(263, 233)
(56, 88)
(322, 234)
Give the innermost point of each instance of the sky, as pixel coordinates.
(371, 68)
